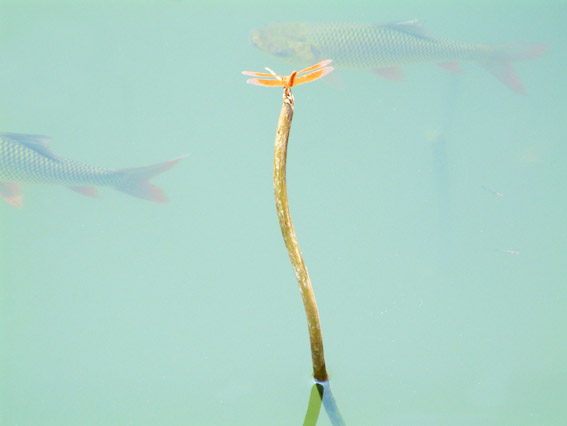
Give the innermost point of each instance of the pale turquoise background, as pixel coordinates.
(117, 311)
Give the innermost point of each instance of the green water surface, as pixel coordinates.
(118, 311)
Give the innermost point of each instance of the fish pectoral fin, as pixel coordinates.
(89, 191)
(38, 143)
(390, 73)
(451, 66)
(307, 52)
(11, 192)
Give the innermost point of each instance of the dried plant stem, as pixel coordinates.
(282, 206)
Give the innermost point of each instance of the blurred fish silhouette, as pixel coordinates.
(384, 48)
(28, 159)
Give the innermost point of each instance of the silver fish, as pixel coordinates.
(384, 48)
(28, 159)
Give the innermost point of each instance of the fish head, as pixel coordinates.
(286, 41)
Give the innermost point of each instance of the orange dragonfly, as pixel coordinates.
(294, 79)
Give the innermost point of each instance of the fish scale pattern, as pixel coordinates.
(379, 46)
(20, 163)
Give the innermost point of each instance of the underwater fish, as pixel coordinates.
(28, 159)
(384, 48)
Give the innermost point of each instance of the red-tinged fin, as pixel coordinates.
(451, 66)
(134, 181)
(498, 64)
(11, 192)
(89, 191)
(390, 73)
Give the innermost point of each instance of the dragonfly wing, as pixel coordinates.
(260, 74)
(315, 75)
(317, 65)
(262, 82)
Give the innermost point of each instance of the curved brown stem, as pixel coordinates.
(282, 206)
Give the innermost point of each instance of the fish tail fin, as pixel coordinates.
(498, 62)
(134, 181)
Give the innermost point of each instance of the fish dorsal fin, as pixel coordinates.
(38, 143)
(413, 28)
